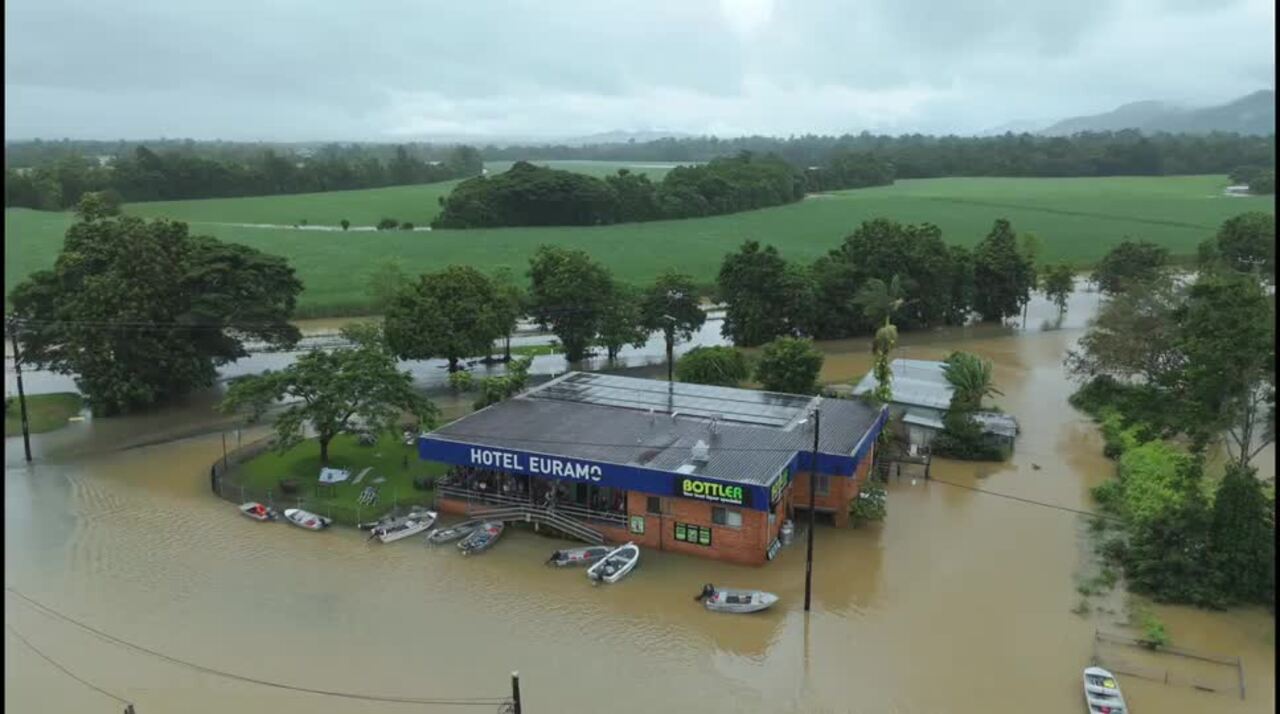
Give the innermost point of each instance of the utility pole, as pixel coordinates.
(515, 693)
(813, 490)
(22, 397)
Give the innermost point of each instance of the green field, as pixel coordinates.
(45, 412)
(1078, 220)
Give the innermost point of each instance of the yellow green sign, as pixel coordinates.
(712, 491)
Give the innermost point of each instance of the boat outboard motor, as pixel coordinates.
(707, 591)
(554, 557)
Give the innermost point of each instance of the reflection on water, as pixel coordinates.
(959, 602)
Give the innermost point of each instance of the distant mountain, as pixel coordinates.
(622, 137)
(1251, 114)
(1019, 126)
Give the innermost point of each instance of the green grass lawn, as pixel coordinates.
(387, 458)
(1077, 219)
(45, 412)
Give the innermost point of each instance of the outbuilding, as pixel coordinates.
(710, 471)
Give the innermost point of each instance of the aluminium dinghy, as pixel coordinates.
(452, 533)
(1102, 692)
(404, 527)
(306, 519)
(732, 600)
(481, 538)
(571, 557)
(615, 566)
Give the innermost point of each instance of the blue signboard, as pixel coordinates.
(629, 478)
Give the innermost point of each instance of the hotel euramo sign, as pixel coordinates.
(596, 473)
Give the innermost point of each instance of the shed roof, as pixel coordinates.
(919, 383)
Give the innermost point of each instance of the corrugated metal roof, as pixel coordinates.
(549, 420)
(920, 383)
(997, 423)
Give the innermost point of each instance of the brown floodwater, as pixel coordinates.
(959, 602)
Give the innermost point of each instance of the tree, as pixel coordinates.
(346, 390)
(1264, 183)
(385, 283)
(345, 224)
(881, 346)
(97, 204)
(1133, 336)
(1242, 533)
(1030, 246)
(1226, 337)
(1059, 282)
(1245, 243)
(1003, 274)
(670, 304)
(511, 304)
(720, 366)
(387, 224)
(620, 320)
(880, 301)
(765, 297)
(144, 312)
(450, 314)
(882, 248)
(971, 380)
(789, 364)
(1129, 264)
(502, 387)
(566, 295)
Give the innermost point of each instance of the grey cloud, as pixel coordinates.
(241, 69)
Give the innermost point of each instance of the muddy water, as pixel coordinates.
(959, 602)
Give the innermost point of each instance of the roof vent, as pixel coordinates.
(701, 452)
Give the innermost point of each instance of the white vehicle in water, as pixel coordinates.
(404, 527)
(739, 601)
(306, 519)
(1102, 692)
(616, 564)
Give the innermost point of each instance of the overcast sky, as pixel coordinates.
(388, 70)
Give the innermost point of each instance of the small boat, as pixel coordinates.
(1102, 692)
(306, 519)
(452, 533)
(577, 556)
(391, 519)
(740, 601)
(404, 527)
(481, 538)
(258, 512)
(614, 566)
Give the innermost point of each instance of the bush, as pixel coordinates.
(870, 505)
(406, 226)
(461, 381)
(720, 366)
(387, 224)
(791, 365)
(345, 224)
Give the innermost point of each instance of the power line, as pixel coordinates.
(1031, 501)
(63, 669)
(460, 701)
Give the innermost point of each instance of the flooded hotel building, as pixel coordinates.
(697, 469)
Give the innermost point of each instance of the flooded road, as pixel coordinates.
(959, 602)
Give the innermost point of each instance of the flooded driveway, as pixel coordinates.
(959, 602)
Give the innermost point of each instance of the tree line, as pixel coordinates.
(1107, 153)
(529, 195)
(1174, 369)
(147, 175)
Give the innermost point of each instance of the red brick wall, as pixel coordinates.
(745, 544)
(840, 494)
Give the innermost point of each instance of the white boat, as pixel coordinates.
(481, 538)
(306, 519)
(1102, 692)
(731, 600)
(578, 556)
(452, 533)
(405, 527)
(258, 512)
(614, 566)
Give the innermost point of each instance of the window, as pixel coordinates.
(689, 533)
(824, 485)
(654, 505)
(724, 517)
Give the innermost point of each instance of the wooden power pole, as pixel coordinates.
(22, 397)
(813, 490)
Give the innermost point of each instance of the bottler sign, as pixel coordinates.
(712, 491)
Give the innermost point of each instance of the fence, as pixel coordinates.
(1203, 681)
(612, 518)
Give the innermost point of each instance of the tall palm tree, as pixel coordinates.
(971, 380)
(880, 300)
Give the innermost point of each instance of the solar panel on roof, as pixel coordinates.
(740, 405)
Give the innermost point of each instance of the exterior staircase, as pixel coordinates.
(542, 516)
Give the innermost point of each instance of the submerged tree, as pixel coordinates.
(566, 295)
(142, 312)
(1059, 282)
(347, 390)
(719, 365)
(450, 314)
(1004, 274)
(671, 305)
(621, 320)
(789, 364)
(971, 380)
(1129, 265)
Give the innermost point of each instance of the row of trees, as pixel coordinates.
(882, 264)
(528, 195)
(146, 175)
(1173, 368)
(1127, 152)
